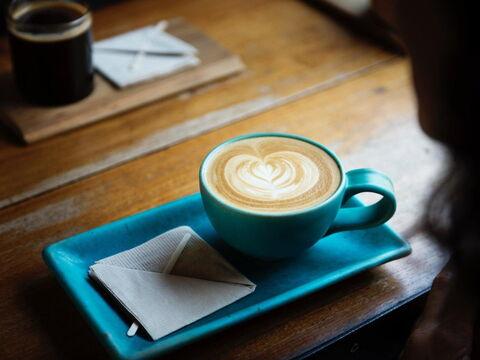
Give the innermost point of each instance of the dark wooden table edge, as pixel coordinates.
(361, 325)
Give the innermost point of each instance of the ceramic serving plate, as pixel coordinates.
(332, 259)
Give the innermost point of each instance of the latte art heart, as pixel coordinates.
(271, 174)
(281, 175)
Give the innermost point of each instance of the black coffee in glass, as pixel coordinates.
(51, 46)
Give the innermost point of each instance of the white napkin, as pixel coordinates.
(134, 57)
(171, 281)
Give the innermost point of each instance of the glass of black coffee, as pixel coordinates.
(51, 47)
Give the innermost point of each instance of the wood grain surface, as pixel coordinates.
(34, 123)
(368, 121)
(290, 49)
(306, 75)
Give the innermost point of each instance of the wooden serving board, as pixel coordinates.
(34, 123)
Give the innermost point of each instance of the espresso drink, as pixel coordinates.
(271, 174)
(51, 46)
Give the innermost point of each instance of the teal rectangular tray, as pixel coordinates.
(332, 259)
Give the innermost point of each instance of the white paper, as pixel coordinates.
(200, 282)
(124, 68)
(148, 39)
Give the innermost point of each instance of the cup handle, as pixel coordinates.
(354, 218)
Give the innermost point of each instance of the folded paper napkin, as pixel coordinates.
(136, 56)
(171, 281)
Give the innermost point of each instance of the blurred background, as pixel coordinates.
(94, 4)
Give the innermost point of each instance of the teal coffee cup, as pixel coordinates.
(281, 234)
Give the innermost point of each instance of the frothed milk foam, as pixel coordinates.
(271, 174)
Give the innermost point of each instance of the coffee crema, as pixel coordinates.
(271, 174)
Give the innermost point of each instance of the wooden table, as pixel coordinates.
(306, 75)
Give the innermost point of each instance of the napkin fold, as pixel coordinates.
(134, 56)
(171, 281)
